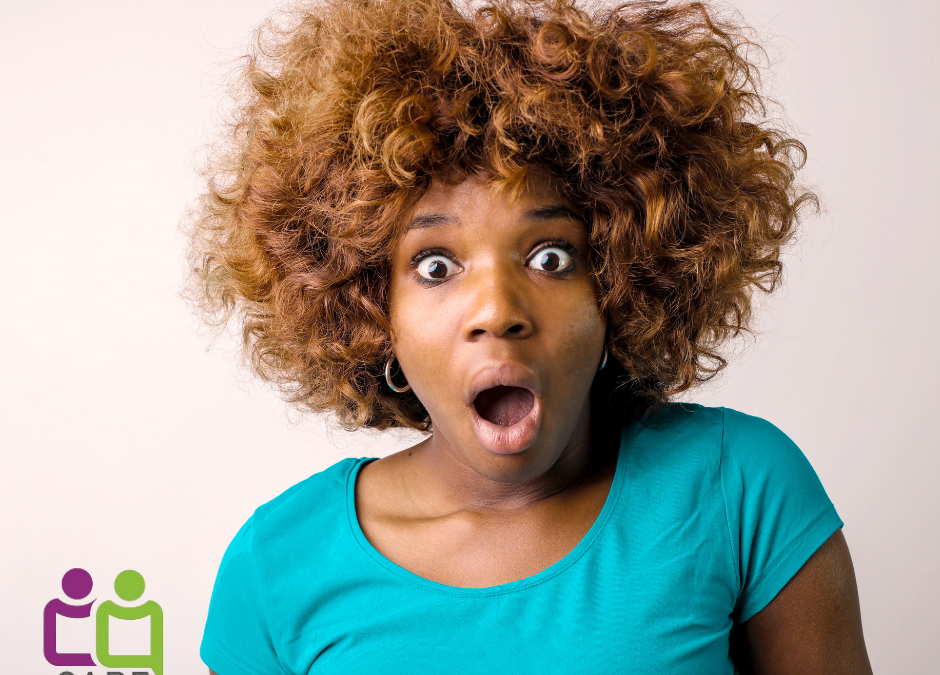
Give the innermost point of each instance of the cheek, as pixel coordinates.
(577, 352)
(579, 324)
(420, 333)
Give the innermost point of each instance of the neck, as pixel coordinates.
(447, 483)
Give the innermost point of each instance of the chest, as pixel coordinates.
(471, 549)
(461, 551)
(643, 592)
(607, 611)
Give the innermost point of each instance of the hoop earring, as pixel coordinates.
(388, 378)
(603, 360)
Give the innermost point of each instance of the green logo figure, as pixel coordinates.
(129, 586)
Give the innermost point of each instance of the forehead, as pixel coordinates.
(475, 198)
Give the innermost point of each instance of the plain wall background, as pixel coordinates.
(127, 445)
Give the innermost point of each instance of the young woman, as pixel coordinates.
(520, 228)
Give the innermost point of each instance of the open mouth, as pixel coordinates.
(504, 406)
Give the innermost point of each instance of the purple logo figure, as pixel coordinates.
(77, 585)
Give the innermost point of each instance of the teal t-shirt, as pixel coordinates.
(710, 513)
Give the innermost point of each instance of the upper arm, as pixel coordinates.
(813, 625)
(238, 629)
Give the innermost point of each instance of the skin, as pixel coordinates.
(452, 510)
(812, 626)
(449, 508)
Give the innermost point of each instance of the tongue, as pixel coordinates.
(504, 406)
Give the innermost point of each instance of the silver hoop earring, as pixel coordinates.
(388, 378)
(603, 360)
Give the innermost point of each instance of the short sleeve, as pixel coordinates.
(237, 639)
(777, 509)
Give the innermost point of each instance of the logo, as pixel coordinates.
(129, 587)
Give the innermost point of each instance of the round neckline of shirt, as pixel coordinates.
(553, 570)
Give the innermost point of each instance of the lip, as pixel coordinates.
(495, 438)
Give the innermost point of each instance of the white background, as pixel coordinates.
(127, 445)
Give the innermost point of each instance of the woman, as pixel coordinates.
(520, 229)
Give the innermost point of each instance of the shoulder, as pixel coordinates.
(745, 458)
(755, 452)
(720, 433)
(681, 438)
(755, 485)
(315, 504)
(742, 432)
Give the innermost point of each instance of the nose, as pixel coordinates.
(496, 306)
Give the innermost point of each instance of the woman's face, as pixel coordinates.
(496, 324)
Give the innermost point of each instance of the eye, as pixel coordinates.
(436, 267)
(555, 258)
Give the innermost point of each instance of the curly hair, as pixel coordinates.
(648, 115)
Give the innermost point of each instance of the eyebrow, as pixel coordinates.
(541, 213)
(430, 220)
(551, 212)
